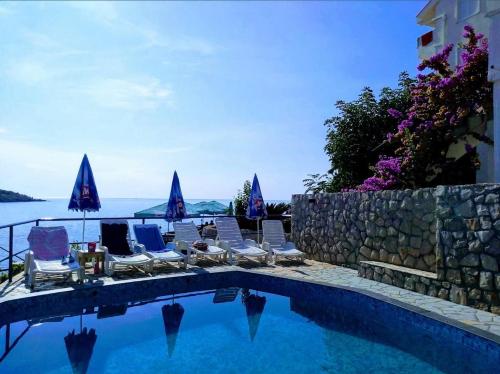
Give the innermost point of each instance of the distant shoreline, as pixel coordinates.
(15, 197)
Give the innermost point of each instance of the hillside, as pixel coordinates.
(11, 197)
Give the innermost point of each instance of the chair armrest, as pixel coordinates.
(28, 260)
(251, 243)
(223, 244)
(210, 242)
(266, 246)
(139, 248)
(181, 245)
(290, 245)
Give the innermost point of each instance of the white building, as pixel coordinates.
(447, 19)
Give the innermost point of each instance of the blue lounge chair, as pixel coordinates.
(150, 237)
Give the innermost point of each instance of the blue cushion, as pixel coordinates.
(149, 235)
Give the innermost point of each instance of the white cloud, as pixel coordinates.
(142, 94)
(179, 44)
(102, 11)
(29, 72)
(4, 11)
(3, 130)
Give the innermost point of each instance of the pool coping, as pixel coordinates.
(227, 274)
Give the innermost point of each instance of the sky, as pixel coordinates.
(216, 91)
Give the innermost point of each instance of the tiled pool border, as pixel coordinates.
(70, 301)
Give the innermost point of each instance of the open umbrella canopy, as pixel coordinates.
(254, 305)
(176, 209)
(80, 347)
(256, 207)
(84, 197)
(202, 207)
(172, 318)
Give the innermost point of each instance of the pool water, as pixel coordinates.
(208, 332)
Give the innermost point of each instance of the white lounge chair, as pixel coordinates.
(274, 241)
(48, 254)
(119, 250)
(230, 239)
(187, 233)
(149, 236)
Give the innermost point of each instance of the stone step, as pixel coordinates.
(398, 268)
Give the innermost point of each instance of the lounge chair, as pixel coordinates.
(150, 237)
(187, 233)
(119, 250)
(274, 241)
(48, 254)
(230, 239)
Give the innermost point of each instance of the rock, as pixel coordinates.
(470, 276)
(491, 198)
(453, 276)
(475, 246)
(451, 262)
(471, 259)
(395, 259)
(421, 288)
(365, 251)
(472, 224)
(409, 284)
(489, 263)
(415, 241)
(475, 294)
(485, 235)
(383, 256)
(497, 281)
(387, 279)
(454, 224)
(374, 255)
(410, 262)
(466, 209)
(443, 294)
(458, 295)
(494, 247)
(486, 280)
(495, 309)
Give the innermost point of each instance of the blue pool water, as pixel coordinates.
(258, 332)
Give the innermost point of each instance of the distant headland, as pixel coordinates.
(13, 197)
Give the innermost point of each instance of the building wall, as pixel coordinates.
(449, 29)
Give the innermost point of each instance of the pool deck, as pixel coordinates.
(309, 271)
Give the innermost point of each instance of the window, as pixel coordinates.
(467, 8)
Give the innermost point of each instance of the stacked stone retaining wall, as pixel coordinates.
(452, 232)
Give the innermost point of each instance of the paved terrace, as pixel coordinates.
(309, 271)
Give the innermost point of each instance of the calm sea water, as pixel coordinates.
(18, 212)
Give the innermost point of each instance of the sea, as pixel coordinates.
(58, 208)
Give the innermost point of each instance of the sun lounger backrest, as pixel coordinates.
(229, 231)
(115, 236)
(48, 243)
(273, 233)
(149, 235)
(186, 231)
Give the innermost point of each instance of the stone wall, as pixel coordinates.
(468, 250)
(397, 227)
(452, 232)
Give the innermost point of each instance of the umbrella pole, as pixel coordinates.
(258, 235)
(83, 233)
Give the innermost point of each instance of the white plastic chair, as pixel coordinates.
(274, 241)
(230, 239)
(187, 233)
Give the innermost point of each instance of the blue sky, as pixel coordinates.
(216, 91)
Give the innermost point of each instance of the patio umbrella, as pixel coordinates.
(254, 305)
(84, 197)
(79, 348)
(176, 209)
(172, 318)
(256, 207)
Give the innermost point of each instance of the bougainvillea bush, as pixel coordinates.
(443, 101)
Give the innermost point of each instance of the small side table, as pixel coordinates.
(85, 256)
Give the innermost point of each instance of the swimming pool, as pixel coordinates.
(275, 326)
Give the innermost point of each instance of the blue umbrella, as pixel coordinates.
(176, 209)
(84, 197)
(256, 207)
